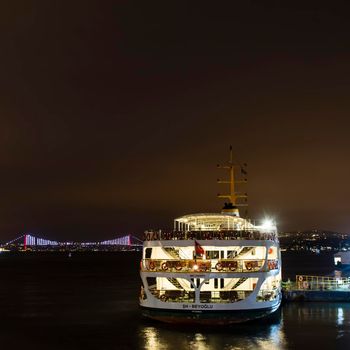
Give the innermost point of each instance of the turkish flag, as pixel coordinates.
(198, 249)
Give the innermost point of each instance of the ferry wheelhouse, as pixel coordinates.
(213, 268)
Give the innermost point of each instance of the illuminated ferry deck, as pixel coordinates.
(215, 227)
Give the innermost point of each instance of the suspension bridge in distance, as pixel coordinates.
(29, 242)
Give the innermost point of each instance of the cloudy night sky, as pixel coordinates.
(114, 114)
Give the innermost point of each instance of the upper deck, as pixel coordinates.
(208, 226)
(210, 235)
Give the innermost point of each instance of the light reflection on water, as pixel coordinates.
(325, 325)
(300, 325)
(340, 316)
(256, 335)
(81, 303)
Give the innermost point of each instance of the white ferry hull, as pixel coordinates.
(209, 313)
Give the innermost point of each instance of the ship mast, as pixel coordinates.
(231, 207)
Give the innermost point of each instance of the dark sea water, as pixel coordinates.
(90, 301)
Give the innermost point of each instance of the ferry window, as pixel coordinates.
(212, 254)
(221, 283)
(148, 253)
(253, 251)
(222, 254)
(231, 254)
(215, 283)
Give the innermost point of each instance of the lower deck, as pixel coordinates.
(209, 288)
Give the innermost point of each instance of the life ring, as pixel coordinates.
(218, 266)
(178, 266)
(148, 236)
(300, 278)
(152, 265)
(165, 266)
(232, 266)
(249, 266)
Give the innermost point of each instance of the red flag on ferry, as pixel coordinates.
(198, 248)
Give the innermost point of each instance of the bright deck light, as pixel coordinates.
(195, 267)
(268, 224)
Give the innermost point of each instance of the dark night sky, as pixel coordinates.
(115, 114)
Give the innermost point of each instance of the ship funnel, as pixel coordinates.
(230, 209)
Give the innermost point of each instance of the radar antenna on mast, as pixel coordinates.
(231, 207)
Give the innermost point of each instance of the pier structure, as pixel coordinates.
(317, 288)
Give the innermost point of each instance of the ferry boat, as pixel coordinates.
(212, 268)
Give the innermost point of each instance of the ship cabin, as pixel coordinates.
(218, 244)
(208, 226)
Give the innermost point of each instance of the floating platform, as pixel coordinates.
(316, 295)
(317, 288)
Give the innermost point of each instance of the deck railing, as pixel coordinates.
(210, 235)
(305, 282)
(199, 265)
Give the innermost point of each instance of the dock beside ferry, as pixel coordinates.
(317, 289)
